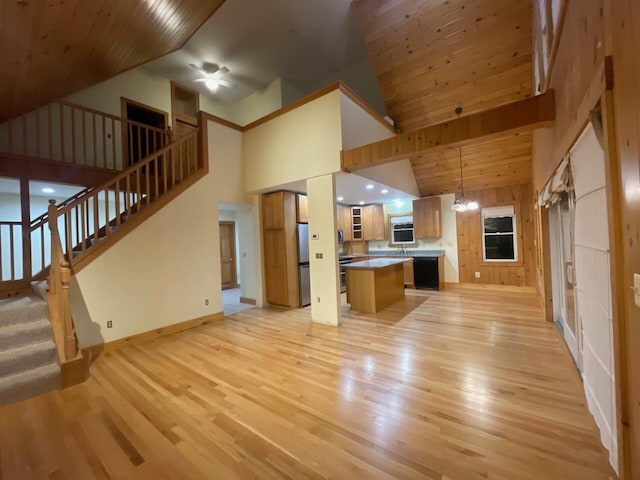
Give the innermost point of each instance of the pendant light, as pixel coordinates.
(462, 205)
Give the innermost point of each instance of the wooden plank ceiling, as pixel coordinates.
(431, 56)
(52, 48)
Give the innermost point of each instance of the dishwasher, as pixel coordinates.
(425, 273)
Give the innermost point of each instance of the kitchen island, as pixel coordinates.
(375, 284)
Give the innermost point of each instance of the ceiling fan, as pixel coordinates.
(212, 75)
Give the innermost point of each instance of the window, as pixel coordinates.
(499, 236)
(402, 230)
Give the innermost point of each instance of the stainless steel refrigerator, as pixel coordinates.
(303, 264)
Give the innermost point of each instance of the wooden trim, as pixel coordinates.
(15, 288)
(621, 357)
(248, 301)
(127, 227)
(292, 106)
(74, 372)
(489, 286)
(547, 297)
(525, 115)
(203, 141)
(204, 116)
(19, 166)
(25, 211)
(95, 350)
(555, 41)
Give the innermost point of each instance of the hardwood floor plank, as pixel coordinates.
(461, 384)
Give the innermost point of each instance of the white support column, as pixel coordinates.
(325, 272)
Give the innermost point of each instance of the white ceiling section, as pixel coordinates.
(60, 190)
(305, 42)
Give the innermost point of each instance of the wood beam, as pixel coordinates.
(525, 115)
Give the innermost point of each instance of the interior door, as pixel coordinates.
(572, 331)
(228, 254)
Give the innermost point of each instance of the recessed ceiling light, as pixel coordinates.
(48, 190)
(369, 187)
(361, 203)
(384, 190)
(340, 199)
(398, 203)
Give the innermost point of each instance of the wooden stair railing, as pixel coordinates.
(85, 223)
(92, 218)
(64, 132)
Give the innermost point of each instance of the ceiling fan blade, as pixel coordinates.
(224, 83)
(200, 80)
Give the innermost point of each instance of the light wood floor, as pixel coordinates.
(463, 384)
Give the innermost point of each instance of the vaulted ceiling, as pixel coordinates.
(52, 48)
(431, 56)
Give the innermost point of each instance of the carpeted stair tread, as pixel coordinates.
(18, 335)
(17, 310)
(20, 386)
(24, 358)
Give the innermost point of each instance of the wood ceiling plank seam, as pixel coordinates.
(449, 165)
(443, 94)
(88, 45)
(443, 34)
(511, 52)
(48, 48)
(23, 75)
(515, 24)
(10, 24)
(506, 165)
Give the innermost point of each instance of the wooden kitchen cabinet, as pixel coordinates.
(408, 273)
(302, 209)
(373, 222)
(427, 217)
(343, 215)
(279, 237)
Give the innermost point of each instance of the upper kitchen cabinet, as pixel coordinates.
(343, 214)
(302, 210)
(373, 222)
(427, 217)
(276, 208)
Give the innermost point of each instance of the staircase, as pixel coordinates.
(28, 356)
(77, 231)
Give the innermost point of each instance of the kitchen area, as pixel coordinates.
(410, 242)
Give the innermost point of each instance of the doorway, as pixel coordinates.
(562, 219)
(144, 132)
(228, 267)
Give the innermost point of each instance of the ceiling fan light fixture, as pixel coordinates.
(211, 84)
(472, 205)
(459, 206)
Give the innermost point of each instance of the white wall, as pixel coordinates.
(324, 272)
(358, 126)
(300, 144)
(593, 286)
(258, 104)
(162, 272)
(448, 242)
(137, 84)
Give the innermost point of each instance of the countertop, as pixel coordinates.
(393, 253)
(375, 263)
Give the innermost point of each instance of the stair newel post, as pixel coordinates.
(70, 344)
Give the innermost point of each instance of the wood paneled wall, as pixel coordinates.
(578, 80)
(624, 166)
(469, 225)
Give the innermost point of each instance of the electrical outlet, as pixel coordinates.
(477, 274)
(206, 301)
(109, 324)
(318, 299)
(319, 256)
(315, 236)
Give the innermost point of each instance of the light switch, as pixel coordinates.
(636, 288)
